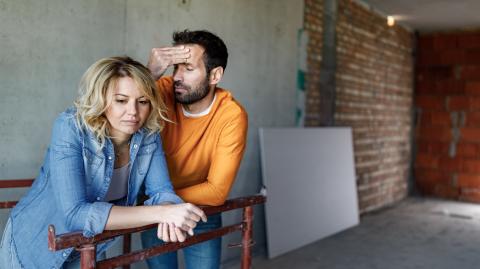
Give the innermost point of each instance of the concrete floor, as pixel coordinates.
(416, 233)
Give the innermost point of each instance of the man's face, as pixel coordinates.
(191, 82)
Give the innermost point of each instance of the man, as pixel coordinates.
(206, 141)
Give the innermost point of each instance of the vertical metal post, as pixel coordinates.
(87, 256)
(127, 239)
(247, 237)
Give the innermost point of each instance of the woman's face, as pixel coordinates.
(128, 108)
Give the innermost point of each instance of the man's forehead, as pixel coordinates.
(195, 50)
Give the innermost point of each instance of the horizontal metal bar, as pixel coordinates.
(16, 183)
(7, 204)
(75, 239)
(141, 255)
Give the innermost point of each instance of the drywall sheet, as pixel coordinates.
(310, 179)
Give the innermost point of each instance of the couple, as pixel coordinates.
(108, 148)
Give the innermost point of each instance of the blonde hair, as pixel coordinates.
(104, 75)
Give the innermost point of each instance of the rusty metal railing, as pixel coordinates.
(87, 246)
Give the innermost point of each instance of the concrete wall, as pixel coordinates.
(45, 46)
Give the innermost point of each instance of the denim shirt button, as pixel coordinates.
(98, 198)
(109, 157)
(135, 146)
(64, 254)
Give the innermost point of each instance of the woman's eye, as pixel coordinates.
(144, 102)
(121, 101)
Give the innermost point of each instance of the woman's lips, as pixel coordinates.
(131, 122)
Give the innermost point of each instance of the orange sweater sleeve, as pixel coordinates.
(225, 164)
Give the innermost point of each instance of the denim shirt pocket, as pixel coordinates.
(91, 162)
(144, 156)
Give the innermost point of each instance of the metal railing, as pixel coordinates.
(87, 246)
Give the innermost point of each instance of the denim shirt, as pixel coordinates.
(70, 189)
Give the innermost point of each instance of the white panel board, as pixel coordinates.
(310, 178)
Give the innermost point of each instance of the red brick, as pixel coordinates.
(469, 40)
(426, 180)
(470, 72)
(435, 134)
(450, 86)
(472, 166)
(468, 180)
(440, 118)
(435, 118)
(467, 150)
(426, 161)
(434, 73)
(472, 119)
(453, 57)
(431, 147)
(444, 42)
(425, 42)
(471, 57)
(430, 102)
(446, 191)
(428, 58)
(472, 88)
(474, 103)
(440, 86)
(470, 134)
(458, 103)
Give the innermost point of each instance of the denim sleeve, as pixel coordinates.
(157, 181)
(67, 179)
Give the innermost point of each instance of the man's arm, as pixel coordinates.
(226, 161)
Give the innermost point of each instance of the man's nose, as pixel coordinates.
(178, 75)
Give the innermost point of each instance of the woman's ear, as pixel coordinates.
(216, 75)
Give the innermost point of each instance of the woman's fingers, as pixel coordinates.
(180, 234)
(173, 234)
(160, 231)
(166, 237)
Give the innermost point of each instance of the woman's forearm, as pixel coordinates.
(126, 217)
(184, 216)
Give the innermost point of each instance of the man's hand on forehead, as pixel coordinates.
(162, 58)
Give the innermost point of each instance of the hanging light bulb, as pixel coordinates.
(390, 21)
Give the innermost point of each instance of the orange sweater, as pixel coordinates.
(203, 154)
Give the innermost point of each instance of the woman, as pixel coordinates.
(101, 152)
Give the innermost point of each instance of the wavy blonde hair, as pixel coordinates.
(102, 76)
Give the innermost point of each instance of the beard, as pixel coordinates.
(193, 94)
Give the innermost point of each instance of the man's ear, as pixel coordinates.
(216, 75)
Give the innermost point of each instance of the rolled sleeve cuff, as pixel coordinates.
(97, 218)
(163, 197)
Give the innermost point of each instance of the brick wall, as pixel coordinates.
(313, 21)
(448, 125)
(374, 96)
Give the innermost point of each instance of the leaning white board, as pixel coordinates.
(309, 174)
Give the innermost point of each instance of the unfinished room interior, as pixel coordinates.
(362, 149)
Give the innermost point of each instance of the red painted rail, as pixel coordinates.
(87, 246)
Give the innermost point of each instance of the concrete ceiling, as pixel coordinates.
(431, 15)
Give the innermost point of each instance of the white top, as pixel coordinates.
(199, 114)
(119, 183)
